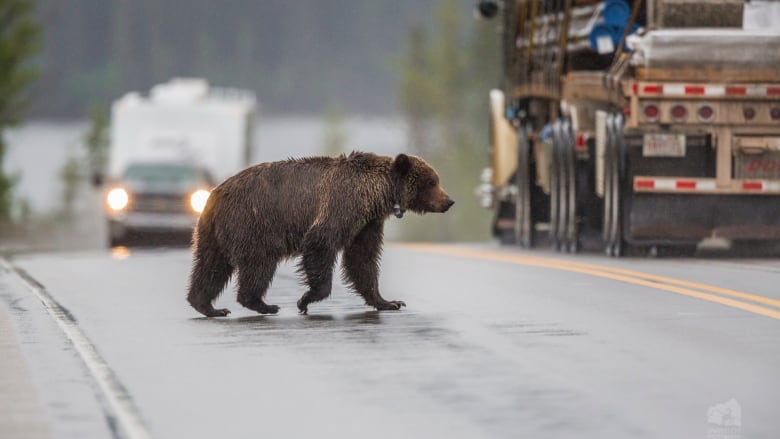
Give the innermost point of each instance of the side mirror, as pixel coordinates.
(486, 9)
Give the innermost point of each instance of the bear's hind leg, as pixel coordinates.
(317, 260)
(253, 282)
(210, 273)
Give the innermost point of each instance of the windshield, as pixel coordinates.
(166, 173)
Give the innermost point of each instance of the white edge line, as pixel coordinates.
(122, 407)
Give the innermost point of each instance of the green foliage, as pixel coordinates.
(19, 41)
(96, 141)
(416, 90)
(6, 195)
(443, 94)
(71, 177)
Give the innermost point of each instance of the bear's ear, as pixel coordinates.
(402, 164)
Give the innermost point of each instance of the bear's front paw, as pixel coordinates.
(268, 309)
(393, 305)
(217, 312)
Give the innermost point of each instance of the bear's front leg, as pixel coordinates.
(317, 259)
(361, 266)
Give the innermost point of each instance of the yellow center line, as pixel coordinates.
(623, 275)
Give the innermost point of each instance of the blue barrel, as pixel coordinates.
(615, 15)
(616, 12)
(604, 30)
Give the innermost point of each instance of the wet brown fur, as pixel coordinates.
(313, 207)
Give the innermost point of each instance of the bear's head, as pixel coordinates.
(418, 186)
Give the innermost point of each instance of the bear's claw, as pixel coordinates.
(392, 305)
(218, 312)
(268, 309)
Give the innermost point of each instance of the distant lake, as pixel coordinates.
(38, 150)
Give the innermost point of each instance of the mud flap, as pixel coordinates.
(690, 218)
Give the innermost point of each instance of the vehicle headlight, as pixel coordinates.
(117, 198)
(198, 200)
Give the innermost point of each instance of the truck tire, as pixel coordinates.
(563, 192)
(555, 189)
(504, 211)
(524, 217)
(570, 228)
(614, 243)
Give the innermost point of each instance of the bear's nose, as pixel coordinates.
(449, 204)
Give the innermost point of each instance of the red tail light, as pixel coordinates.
(651, 112)
(679, 113)
(705, 113)
(582, 143)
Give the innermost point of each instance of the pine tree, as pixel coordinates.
(443, 91)
(19, 41)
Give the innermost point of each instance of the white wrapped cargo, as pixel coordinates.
(709, 49)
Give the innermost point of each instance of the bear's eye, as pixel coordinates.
(431, 183)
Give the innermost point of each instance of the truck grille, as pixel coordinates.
(160, 203)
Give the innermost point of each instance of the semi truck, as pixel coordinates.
(635, 126)
(168, 149)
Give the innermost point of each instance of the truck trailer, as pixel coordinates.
(638, 126)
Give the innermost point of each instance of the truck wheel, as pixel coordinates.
(570, 230)
(524, 224)
(506, 237)
(608, 229)
(615, 246)
(504, 212)
(555, 189)
(562, 189)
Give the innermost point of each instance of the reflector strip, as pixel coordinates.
(673, 89)
(694, 90)
(715, 90)
(665, 184)
(704, 185)
(683, 184)
(736, 91)
(708, 185)
(704, 90)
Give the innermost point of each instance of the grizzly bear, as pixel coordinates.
(311, 207)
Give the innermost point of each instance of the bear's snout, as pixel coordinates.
(448, 204)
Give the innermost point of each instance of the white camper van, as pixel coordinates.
(168, 149)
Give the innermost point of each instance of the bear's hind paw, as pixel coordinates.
(268, 309)
(392, 305)
(303, 307)
(216, 312)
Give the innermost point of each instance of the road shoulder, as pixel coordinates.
(21, 414)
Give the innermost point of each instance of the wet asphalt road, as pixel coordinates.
(487, 348)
